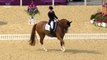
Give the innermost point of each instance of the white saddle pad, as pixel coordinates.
(47, 27)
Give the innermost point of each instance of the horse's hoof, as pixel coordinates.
(63, 50)
(45, 50)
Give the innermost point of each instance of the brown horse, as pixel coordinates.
(61, 29)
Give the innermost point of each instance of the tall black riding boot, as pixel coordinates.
(51, 31)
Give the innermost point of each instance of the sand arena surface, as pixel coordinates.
(14, 20)
(76, 50)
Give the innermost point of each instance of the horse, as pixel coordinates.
(61, 29)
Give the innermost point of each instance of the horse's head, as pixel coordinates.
(64, 23)
(69, 23)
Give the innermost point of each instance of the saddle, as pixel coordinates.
(51, 27)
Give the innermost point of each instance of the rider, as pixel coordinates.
(52, 18)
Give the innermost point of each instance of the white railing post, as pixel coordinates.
(53, 3)
(85, 2)
(20, 2)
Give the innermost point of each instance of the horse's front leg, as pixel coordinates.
(44, 48)
(61, 43)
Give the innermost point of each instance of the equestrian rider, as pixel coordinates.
(52, 18)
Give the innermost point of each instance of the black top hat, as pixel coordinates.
(50, 7)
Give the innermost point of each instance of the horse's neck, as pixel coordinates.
(61, 24)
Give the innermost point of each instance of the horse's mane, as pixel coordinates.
(63, 24)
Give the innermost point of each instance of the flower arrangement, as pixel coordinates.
(105, 5)
(32, 9)
(99, 19)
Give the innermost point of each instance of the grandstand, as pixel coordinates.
(26, 2)
(49, 2)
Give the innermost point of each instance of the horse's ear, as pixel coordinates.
(70, 22)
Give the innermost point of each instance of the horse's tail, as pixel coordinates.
(32, 38)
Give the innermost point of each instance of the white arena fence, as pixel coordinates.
(81, 36)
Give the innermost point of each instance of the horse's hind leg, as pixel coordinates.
(41, 41)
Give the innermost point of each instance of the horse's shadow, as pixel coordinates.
(74, 51)
(3, 23)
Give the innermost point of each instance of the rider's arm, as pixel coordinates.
(55, 15)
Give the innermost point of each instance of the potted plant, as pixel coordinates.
(103, 18)
(32, 10)
(95, 17)
(92, 18)
(104, 23)
(98, 20)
